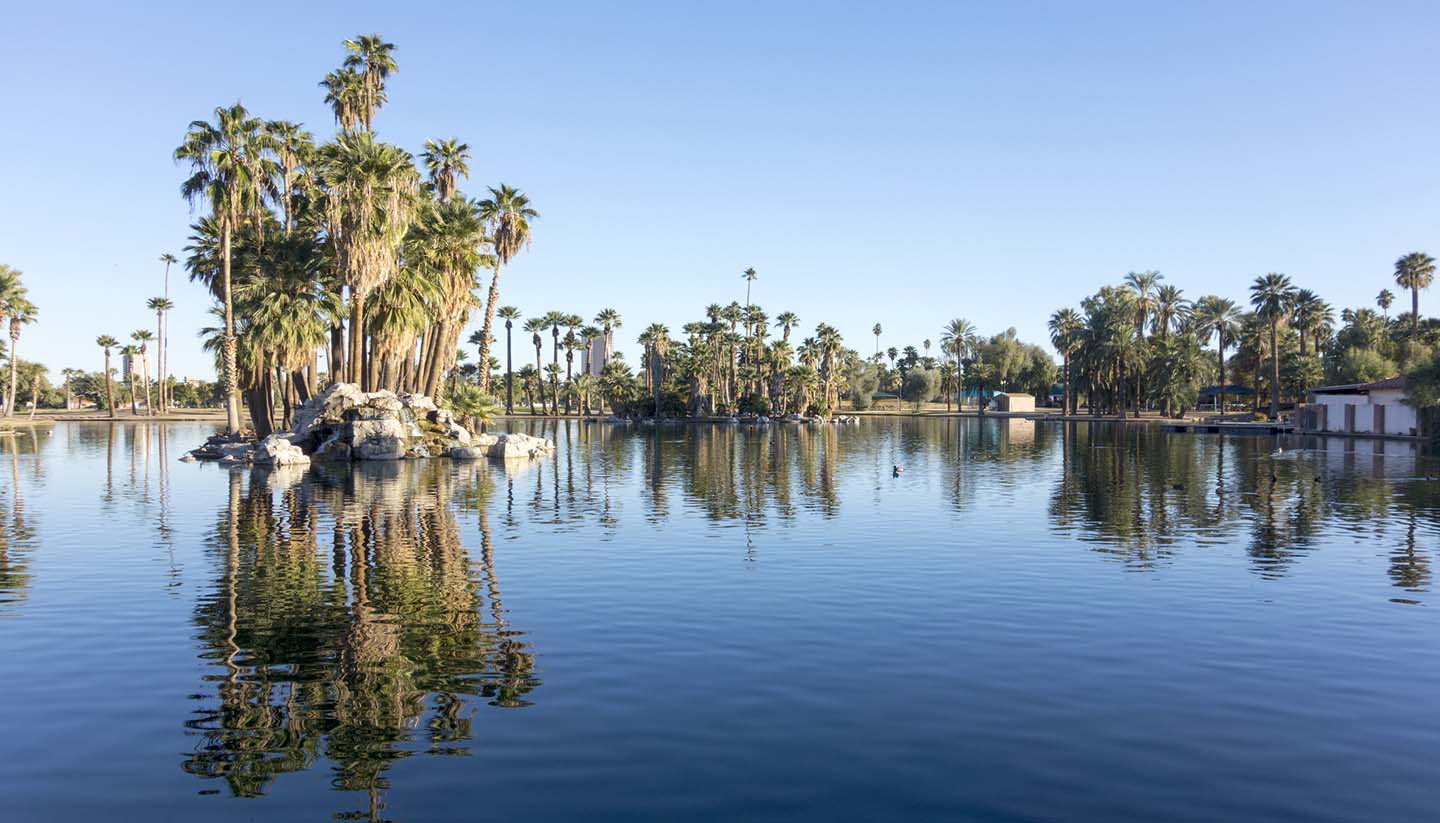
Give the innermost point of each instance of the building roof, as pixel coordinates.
(1211, 391)
(1362, 388)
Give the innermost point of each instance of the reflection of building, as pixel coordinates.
(602, 349)
(1361, 408)
(1019, 430)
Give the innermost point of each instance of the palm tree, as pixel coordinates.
(877, 331)
(786, 321)
(1222, 317)
(1271, 297)
(1170, 306)
(535, 326)
(958, 339)
(167, 258)
(372, 59)
(749, 275)
(1143, 283)
(1415, 271)
(608, 320)
(232, 175)
(20, 312)
(107, 343)
(129, 353)
(509, 314)
(1385, 299)
(292, 146)
(1065, 326)
(371, 197)
(143, 337)
(161, 306)
(508, 214)
(656, 340)
(14, 304)
(345, 94)
(445, 160)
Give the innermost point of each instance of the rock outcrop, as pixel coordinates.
(345, 423)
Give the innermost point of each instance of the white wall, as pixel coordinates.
(1399, 418)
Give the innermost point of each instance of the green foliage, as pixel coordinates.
(922, 385)
(1363, 366)
(862, 381)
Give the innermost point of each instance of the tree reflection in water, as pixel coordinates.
(358, 653)
(18, 526)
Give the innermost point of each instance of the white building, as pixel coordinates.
(1361, 408)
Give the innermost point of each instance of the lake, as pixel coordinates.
(1031, 622)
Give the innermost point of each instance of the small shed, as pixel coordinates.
(1013, 402)
(1361, 408)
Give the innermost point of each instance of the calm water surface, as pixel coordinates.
(1030, 623)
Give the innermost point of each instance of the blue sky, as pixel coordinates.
(901, 163)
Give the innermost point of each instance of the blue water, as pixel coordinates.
(1031, 622)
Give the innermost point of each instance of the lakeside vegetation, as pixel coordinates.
(356, 252)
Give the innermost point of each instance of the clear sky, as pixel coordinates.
(901, 163)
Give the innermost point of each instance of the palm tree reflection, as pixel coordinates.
(354, 659)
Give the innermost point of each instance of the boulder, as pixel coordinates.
(277, 450)
(513, 446)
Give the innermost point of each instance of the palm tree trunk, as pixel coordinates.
(231, 379)
(1274, 370)
(337, 353)
(509, 372)
(1222, 372)
(491, 298)
(1065, 401)
(1415, 307)
(357, 339)
(12, 389)
(160, 358)
(145, 376)
(109, 387)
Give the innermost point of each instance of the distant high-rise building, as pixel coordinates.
(126, 364)
(602, 349)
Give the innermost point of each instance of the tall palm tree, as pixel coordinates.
(446, 160)
(161, 306)
(167, 258)
(106, 342)
(232, 175)
(656, 340)
(877, 331)
(1065, 327)
(509, 314)
(1271, 297)
(1415, 271)
(749, 275)
(293, 146)
(1144, 283)
(345, 94)
(958, 339)
(373, 60)
(786, 321)
(1385, 299)
(508, 215)
(371, 197)
(18, 309)
(536, 326)
(1222, 317)
(1170, 307)
(129, 353)
(608, 320)
(143, 337)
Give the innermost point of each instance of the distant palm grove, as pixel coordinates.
(354, 252)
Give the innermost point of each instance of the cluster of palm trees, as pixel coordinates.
(542, 382)
(343, 246)
(1143, 345)
(17, 311)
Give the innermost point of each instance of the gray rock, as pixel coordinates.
(277, 450)
(516, 446)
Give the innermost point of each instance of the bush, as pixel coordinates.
(922, 385)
